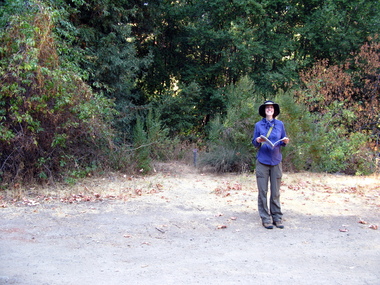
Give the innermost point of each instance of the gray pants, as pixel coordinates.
(264, 174)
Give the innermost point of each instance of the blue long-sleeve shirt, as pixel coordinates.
(267, 155)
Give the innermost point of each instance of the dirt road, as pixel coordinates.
(181, 227)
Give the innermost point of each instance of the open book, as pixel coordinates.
(268, 142)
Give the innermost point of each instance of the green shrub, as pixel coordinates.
(321, 142)
(177, 109)
(151, 141)
(50, 122)
(229, 136)
(142, 147)
(336, 149)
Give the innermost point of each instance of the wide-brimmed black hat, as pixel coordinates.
(275, 106)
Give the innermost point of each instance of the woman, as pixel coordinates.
(269, 163)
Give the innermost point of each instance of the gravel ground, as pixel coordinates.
(180, 226)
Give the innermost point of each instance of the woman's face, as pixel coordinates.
(269, 110)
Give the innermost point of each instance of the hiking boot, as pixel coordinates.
(279, 224)
(268, 226)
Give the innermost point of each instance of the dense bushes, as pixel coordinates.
(50, 120)
(65, 70)
(318, 142)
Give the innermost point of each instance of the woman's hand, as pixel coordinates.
(260, 140)
(286, 140)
